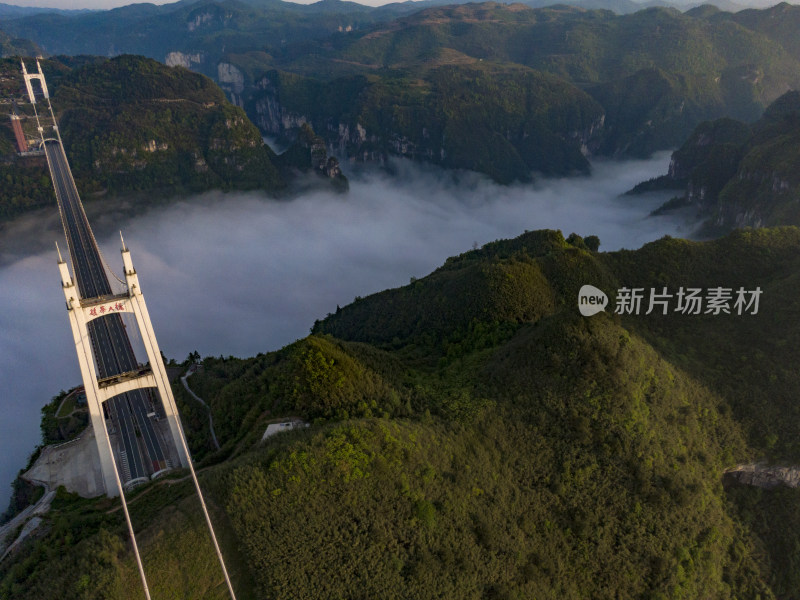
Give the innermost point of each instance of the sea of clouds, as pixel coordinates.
(237, 274)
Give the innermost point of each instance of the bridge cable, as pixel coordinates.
(139, 564)
(191, 469)
(105, 429)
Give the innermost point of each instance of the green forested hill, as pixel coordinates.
(654, 75)
(472, 436)
(779, 22)
(16, 47)
(505, 121)
(203, 30)
(738, 174)
(131, 123)
(140, 125)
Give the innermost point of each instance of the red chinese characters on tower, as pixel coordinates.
(97, 311)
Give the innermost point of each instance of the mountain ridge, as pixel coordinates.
(652, 93)
(684, 67)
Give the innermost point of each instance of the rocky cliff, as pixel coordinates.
(765, 476)
(308, 154)
(740, 175)
(506, 122)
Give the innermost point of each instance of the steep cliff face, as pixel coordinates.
(741, 175)
(231, 80)
(267, 111)
(185, 133)
(766, 187)
(707, 161)
(209, 17)
(184, 59)
(308, 153)
(506, 122)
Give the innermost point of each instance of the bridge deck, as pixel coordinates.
(112, 349)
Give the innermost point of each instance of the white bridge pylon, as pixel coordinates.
(34, 77)
(81, 312)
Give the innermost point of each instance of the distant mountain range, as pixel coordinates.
(619, 6)
(135, 28)
(11, 11)
(654, 74)
(395, 80)
(16, 46)
(216, 27)
(506, 90)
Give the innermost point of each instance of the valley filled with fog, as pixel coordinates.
(238, 274)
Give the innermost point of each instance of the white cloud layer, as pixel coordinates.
(241, 274)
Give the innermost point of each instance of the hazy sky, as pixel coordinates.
(102, 4)
(69, 4)
(240, 274)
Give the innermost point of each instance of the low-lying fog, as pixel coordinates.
(238, 274)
